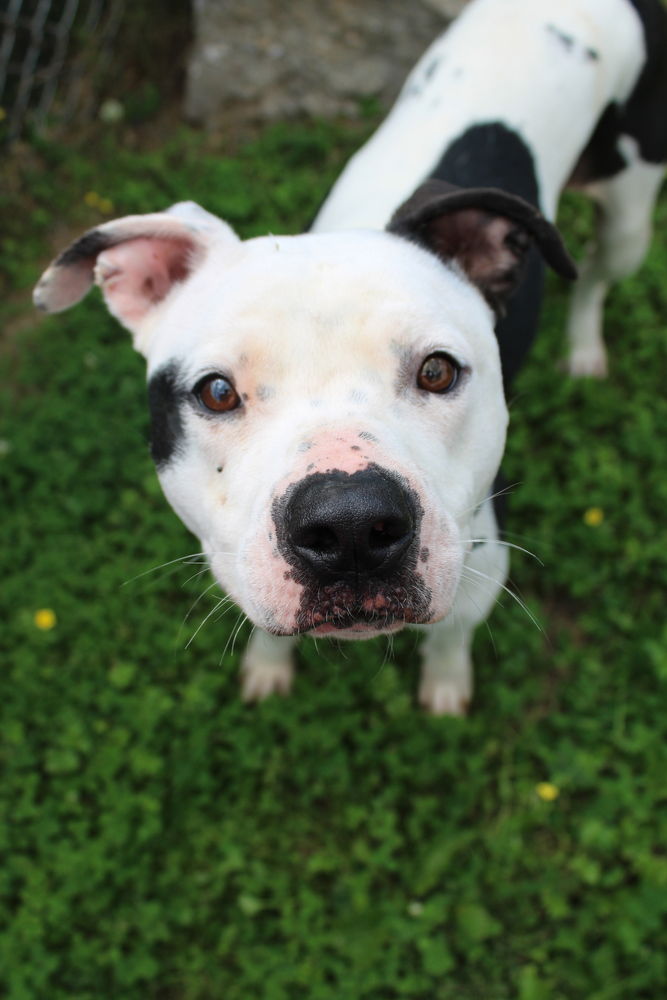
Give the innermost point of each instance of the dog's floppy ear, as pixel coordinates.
(136, 261)
(488, 232)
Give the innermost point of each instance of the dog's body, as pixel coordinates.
(328, 414)
(530, 96)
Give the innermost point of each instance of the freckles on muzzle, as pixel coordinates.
(352, 542)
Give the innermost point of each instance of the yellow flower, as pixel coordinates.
(92, 199)
(546, 791)
(593, 517)
(105, 205)
(45, 619)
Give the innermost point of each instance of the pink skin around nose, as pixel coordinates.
(347, 451)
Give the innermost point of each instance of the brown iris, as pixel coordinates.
(438, 373)
(218, 394)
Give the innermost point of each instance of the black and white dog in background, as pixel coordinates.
(328, 410)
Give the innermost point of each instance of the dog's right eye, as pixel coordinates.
(217, 393)
(439, 373)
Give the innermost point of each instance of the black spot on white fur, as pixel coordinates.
(89, 246)
(166, 396)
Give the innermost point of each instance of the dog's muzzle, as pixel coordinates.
(351, 539)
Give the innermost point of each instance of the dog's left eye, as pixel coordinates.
(438, 373)
(217, 393)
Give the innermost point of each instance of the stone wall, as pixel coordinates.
(271, 59)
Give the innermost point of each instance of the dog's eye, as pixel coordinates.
(217, 393)
(438, 373)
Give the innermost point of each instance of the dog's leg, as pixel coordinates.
(267, 666)
(445, 687)
(624, 230)
(447, 678)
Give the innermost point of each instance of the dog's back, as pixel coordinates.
(531, 77)
(528, 96)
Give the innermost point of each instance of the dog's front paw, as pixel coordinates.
(259, 680)
(590, 362)
(441, 696)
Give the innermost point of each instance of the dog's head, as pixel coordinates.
(327, 409)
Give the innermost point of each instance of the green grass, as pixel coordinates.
(161, 841)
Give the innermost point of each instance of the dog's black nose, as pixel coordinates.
(342, 524)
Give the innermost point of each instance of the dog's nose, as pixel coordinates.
(350, 524)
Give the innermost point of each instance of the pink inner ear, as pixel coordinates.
(137, 274)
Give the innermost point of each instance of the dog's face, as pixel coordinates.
(327, 410)
(327, 414)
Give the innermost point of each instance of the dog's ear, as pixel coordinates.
(486, 231)
(136, 261)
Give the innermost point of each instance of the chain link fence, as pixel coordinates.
(51, 51)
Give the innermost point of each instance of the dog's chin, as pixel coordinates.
(348, 628)
(359, 622)
(356, 630)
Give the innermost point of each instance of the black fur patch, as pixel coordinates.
(601, 157)
(490, 155)
(166, 397)
(90, 245)
(643, 116)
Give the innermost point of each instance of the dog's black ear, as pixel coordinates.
(488, 232)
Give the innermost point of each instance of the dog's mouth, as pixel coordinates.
(340, 607)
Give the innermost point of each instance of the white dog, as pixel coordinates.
(328, 414)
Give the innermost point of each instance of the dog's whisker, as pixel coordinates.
(240, 621)
(243, 619)
(216, 607)
(195, 576)
(522, 604)
(192, 559)
(194, 604)
(223, 611)
(506, 490)
(203, 594)
(483, 618)
(499, 541)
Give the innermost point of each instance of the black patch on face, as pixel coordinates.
(494, 156)
(166, 397)
(89, 246)
(382, 601)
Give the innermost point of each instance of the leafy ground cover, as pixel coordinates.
(161, 840)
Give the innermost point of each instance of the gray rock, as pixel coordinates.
(271, 60)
